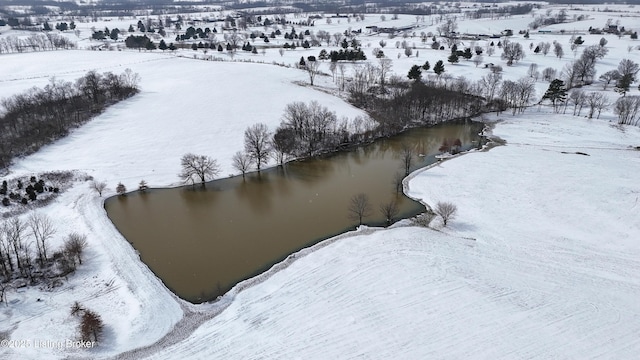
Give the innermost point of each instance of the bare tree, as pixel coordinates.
(557, 50)
(42, 230)
(359, 207)
(569, 75)
(74, 246)
(389, 211)
(596, 101)
(585, 65)
(337, 37)
(397, 181)
(5, 253)
(98, 186)
(628, 68)
(15, 232)
(313, 68)
(549, 74)
(341, 69)
(76, 309)
(533, 71)
(257, 144)
(526, 92)
(512, 52)
(200, 166)
(489, 84)
(446, 210)
(242, 162)
(406, 155)
(490, 50)
(385, 67)
(578, 99)
(408, 52)
(3, 291)
(478, 59)
(609, 76)
(283, 143)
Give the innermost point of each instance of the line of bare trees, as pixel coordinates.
(36, 42)
(41, 115)
(628, 110)
(305, 130)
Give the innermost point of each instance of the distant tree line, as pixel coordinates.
(36, 42)
(39, 116)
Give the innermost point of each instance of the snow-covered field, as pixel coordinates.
(543, 260)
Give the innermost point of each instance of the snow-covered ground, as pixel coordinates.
(542, 261)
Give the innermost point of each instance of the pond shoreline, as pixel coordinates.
(319, 174)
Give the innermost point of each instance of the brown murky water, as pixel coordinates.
(201, 242)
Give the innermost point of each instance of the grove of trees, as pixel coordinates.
(26, 252)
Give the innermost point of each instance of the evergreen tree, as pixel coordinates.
(426, 66)
(121, 189)
(163, 46)
(98, 35)
(415, 73)
(467, 54)
(131, 29)
(439, 68)
(624, 84)
(114, 34)
(557, 93)
(453, 58)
